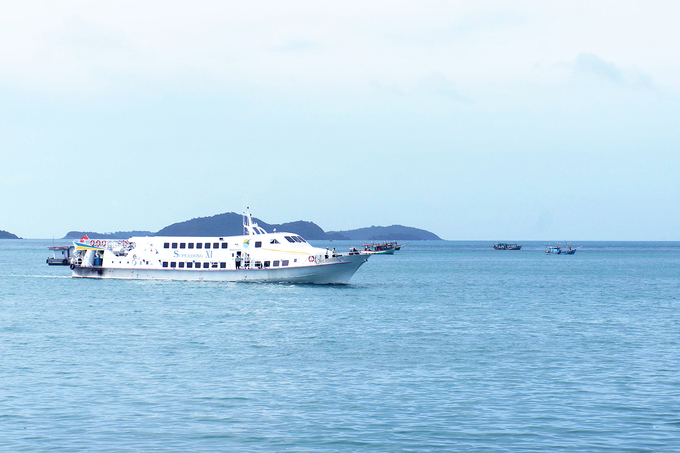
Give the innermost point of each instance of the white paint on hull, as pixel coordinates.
(338, 272)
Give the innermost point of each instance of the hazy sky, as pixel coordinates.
(475, 120)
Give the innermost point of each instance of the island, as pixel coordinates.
(231, 224)
(7, 235)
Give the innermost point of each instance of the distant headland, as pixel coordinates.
(231, 224)
(7, 235)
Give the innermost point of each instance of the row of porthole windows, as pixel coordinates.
(214, 265)
(190, 245)
(275, 263)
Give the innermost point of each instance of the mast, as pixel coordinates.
(247, 222)
(250, 228)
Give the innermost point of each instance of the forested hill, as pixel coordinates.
(231, 224)
(394, 232)
(7, 235)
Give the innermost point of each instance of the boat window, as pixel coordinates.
(199, 245)
(190, 245)
(173, 264)
(182, 245)
(296, 239)
(206, 265)
(284, 263)
(266, 264)
(289, 239)
(223, 265)
(275, 263)
(225, 245)
(258, 264)
(258, 244)
(207, 245)
(166, 245)
(216, 245)
(190, 265)
(165, 264)
(274, 241)
(181, 265)
(174, 245)
(214, 265)
(300, 238)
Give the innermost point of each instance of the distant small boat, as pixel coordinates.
(61, 255)
(561, 249)
(381, 248)
(506, 246)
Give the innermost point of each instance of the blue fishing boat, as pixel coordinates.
(561, 249)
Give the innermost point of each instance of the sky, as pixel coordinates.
(489, 120)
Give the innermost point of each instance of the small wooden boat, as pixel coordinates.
(506, 246)
(380, 248)
(61, 255)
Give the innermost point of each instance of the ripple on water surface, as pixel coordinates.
(442, 347)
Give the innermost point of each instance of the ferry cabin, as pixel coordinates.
(244, 252)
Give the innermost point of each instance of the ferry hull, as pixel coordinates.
(328, 273)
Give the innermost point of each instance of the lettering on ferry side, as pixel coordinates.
(187, 255)
(208, 253)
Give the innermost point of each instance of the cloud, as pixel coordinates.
(443, 87)
(383, 89)
(299, 45)
(593, 65)
(86, 38)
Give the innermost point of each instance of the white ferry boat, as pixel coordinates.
(255, 256)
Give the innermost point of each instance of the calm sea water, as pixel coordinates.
(445, 346)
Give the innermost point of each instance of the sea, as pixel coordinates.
(444, 346)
